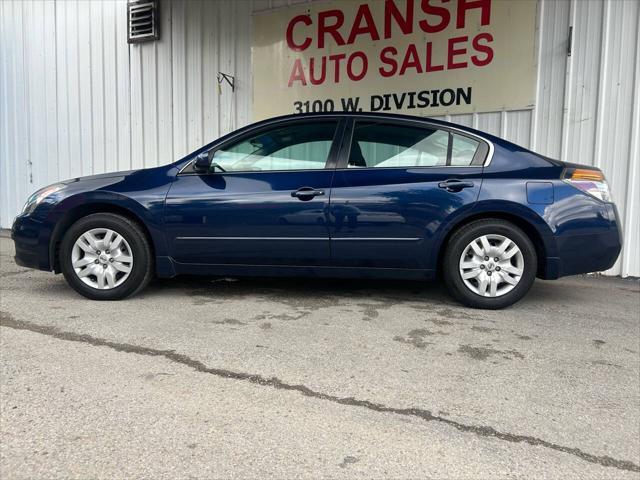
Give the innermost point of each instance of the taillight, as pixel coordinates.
(590, 181)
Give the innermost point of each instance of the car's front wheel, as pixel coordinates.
(105, 256)
(489, 264)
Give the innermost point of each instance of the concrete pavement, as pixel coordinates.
(219, 378)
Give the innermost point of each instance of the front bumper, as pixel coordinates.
(31, 243)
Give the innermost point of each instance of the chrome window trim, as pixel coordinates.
(353, 169)
(487, 160)
(419, 122)
(349, 169)
(340, 116)
(244, 172)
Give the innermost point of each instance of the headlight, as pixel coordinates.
(589, 181)
(39, 196)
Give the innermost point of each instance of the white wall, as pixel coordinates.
(76, 99)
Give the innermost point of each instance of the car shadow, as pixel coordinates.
(303, 288)
(318, 291)
(322, 291)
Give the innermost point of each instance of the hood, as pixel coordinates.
(101, 176)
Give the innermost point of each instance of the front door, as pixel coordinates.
(263, 202)
(396, 185)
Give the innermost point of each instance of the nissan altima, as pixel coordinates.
(352, 195)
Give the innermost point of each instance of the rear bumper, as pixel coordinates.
(586, 253)
(31, 248)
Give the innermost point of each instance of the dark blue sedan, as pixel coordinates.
(340, 195)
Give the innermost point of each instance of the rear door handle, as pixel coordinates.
(307, 193)
(454, 185)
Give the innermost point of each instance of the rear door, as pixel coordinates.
(263, 202)
(397, 184)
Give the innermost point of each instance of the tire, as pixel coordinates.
(119, 283)
(460, 253)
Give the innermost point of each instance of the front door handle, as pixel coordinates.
(454, 185)
(307, 193)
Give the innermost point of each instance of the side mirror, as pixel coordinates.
(203, 162)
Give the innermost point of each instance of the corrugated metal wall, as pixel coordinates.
(76, 99)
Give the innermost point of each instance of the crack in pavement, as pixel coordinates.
(7, 320)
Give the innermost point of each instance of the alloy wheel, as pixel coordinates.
(102, 258)
(491, 265)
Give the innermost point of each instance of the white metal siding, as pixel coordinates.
(77, 99)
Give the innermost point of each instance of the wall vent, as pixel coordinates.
(142, 20)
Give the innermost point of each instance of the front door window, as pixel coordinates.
(294, 147)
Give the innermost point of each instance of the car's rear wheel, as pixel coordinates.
(105, 256)
(489, 264)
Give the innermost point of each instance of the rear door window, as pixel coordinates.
(385, 145)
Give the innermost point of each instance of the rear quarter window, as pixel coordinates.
(463, 150)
